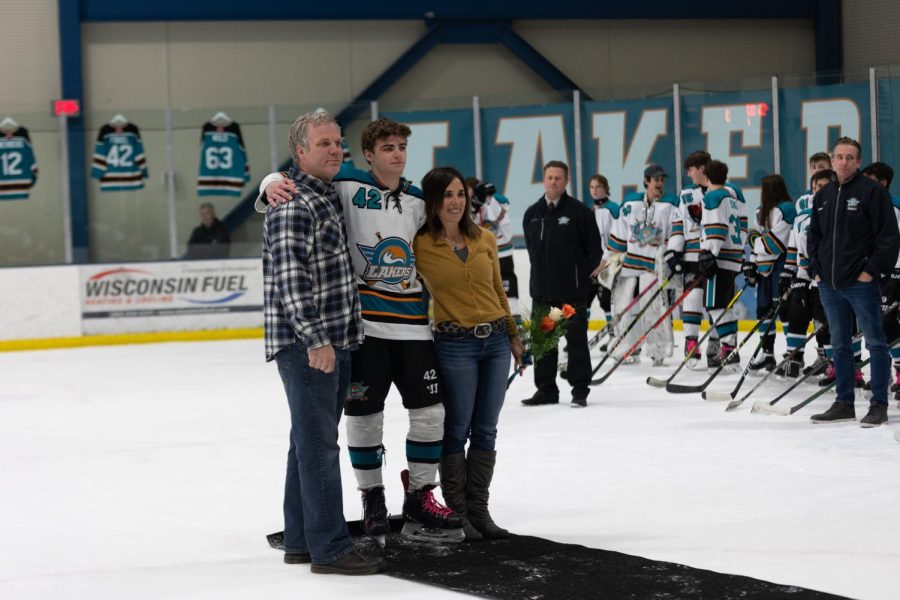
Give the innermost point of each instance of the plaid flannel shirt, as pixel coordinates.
(309, 284)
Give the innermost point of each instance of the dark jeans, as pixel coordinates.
(473, 372)
(579, 363)
(863, 300)
(313, 502)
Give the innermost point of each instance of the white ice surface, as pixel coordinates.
(155, 471)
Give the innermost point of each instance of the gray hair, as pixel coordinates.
(208, 205)
(300, 130)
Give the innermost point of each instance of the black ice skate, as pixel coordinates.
(427, 520)
(790, 369)
(761, 365)
(375, 515)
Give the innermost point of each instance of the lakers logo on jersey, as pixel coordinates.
(390, 261)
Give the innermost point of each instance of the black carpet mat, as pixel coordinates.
(534, 568)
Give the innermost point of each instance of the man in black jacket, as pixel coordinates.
(852, 242)
(210, 239)
(564, 247)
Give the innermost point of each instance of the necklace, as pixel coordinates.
(456, 245)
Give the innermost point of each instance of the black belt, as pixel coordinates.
(482, 330)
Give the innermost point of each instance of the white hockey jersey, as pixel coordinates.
(804, 202)
(797, 256)
(641, 230)
(686, 229)
(494, 215)
(774, 239)
(724, 228)
(381, 226)
(606, 214)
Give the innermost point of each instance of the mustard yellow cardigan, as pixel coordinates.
(467, 293)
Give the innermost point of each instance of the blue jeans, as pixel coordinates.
(474, 373)
(863, 300)
(313, 502)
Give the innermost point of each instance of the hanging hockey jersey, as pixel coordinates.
(773, 240)
(723, 225)
(18, 168)
(686, 228)
(119, 161)
(640, 230)
(223, 161)
(606, 214)
(381, 226)
(797, 258)
(495, 216)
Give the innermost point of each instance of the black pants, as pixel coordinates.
(579, 364)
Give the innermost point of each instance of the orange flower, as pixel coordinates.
(568, 311)
(547, 324)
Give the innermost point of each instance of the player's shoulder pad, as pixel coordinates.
(670, 199)
(713, 199)
(633, 197)
(501, 199)
(738, 192)
(788, 210)
(415, 191)
(612, 207)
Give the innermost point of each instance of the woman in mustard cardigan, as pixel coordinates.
(474, 335)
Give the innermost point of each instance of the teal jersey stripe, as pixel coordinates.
(369, 302)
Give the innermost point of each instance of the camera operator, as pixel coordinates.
(491, 211)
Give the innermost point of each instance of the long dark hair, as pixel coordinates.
(434, 184)
(774, 191)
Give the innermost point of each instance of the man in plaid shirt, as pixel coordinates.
(312, 323)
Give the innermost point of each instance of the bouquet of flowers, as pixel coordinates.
(542, 332)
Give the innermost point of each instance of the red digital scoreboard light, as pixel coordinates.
(69, 108)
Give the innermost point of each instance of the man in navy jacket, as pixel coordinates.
(564, 247)
(853, 241)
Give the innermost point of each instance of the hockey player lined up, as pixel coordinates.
(641, 233)
(890, 284)
(684, 249)
(493, 215)
(723, 235)
(383, 212)
(819, 161)
(768, 246)
(802, 304)
(606, 212)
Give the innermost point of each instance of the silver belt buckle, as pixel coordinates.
(483, 330)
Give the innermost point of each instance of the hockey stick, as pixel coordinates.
(762, 406)
(618, 340)
(784, 412)
(712, 326)
(736, 403)
(676, 388)
(650, 329)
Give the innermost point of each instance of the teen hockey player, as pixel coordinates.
(494, 215)
(819, 161)
(383, 212)
(802, 304)
(605, 212)
(641, 232)
(768, 246)
(890, 284)
(723, 236)
(684, 248)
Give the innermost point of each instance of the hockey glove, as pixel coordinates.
(749, 271)
(673, 260)
(706, 263)
(785, 279)
(752, 236)
(890, 287)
